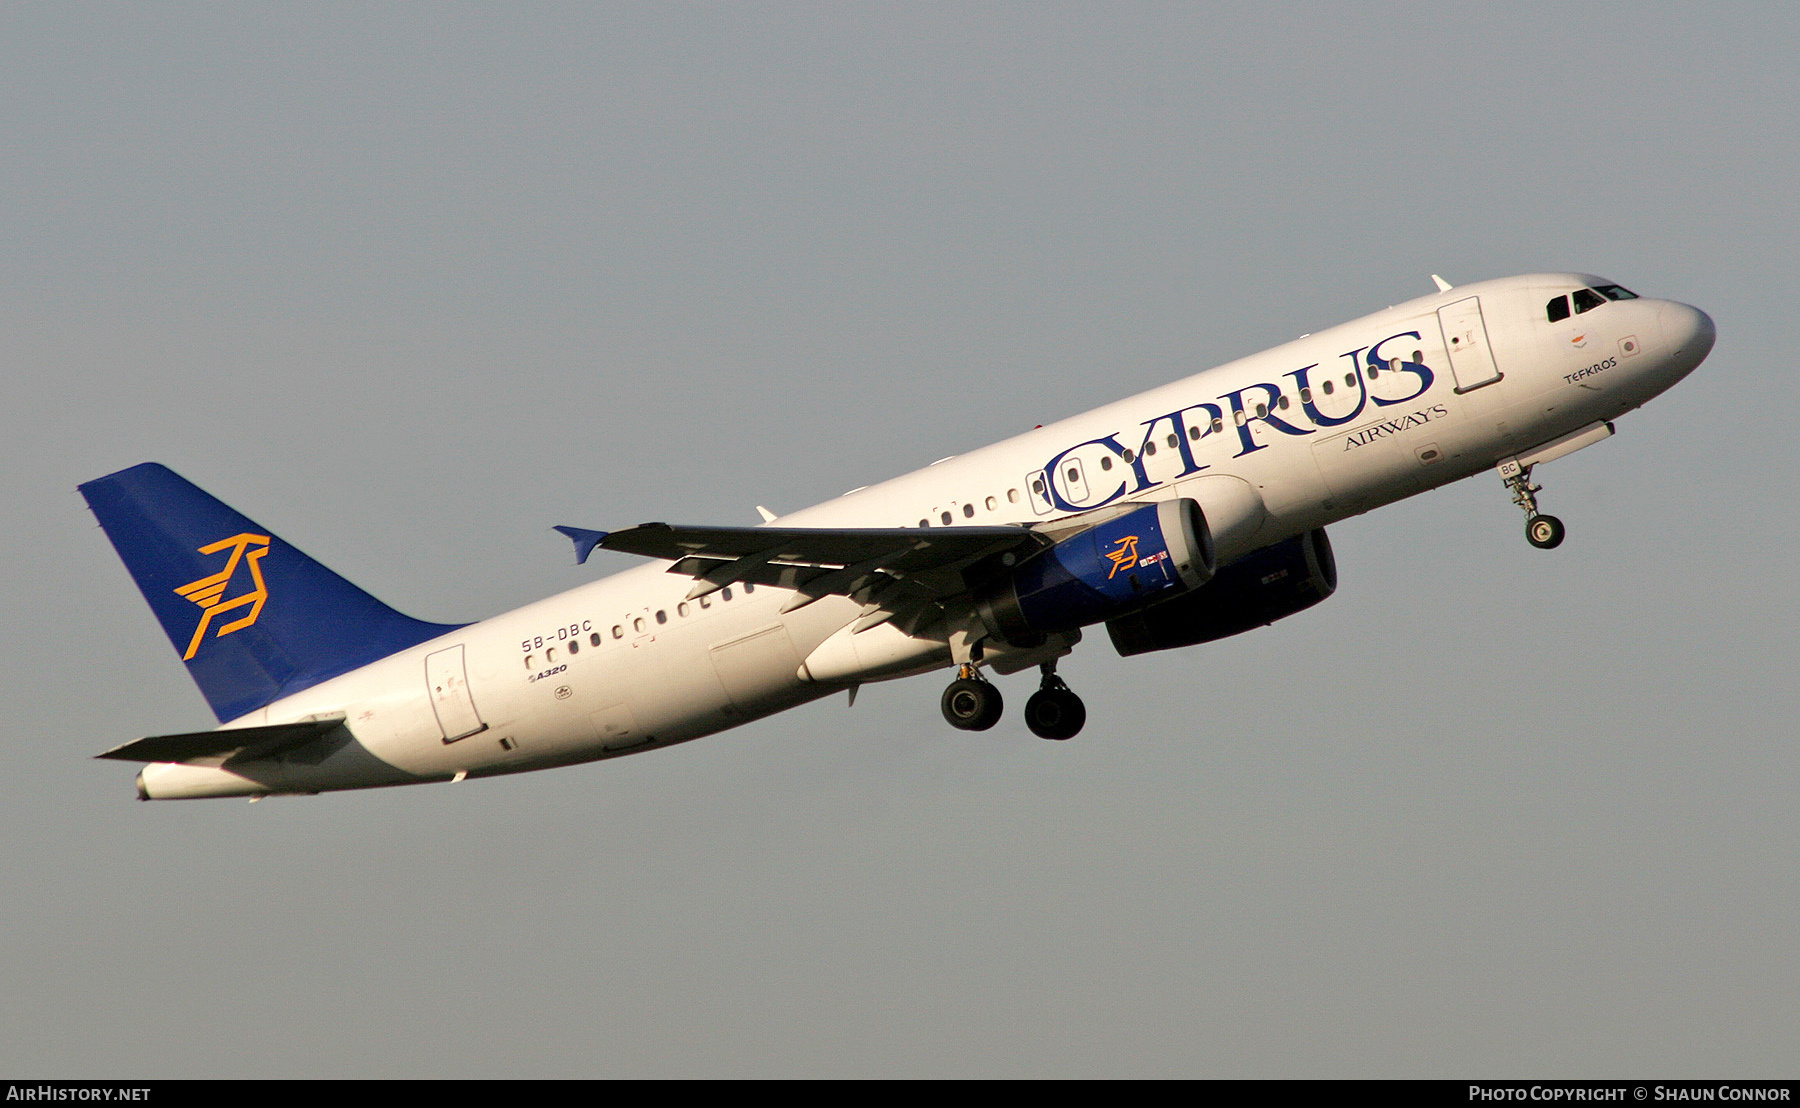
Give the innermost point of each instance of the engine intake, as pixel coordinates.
(1146, 555)
(1254, 591)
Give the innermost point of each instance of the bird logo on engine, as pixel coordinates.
(1124, 555)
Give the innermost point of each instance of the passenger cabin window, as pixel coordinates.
(1586, 300)
(1558, 309)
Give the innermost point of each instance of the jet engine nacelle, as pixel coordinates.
(1256, 590)
(1150, 553)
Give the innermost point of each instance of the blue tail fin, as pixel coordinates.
(254, 618)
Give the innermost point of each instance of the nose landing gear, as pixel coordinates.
(1542, 531)
(1053, 712)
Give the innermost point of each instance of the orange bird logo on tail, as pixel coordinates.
(209, 591)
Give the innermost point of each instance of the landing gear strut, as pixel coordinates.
(1542, 531)
(1053, 712)
(971, 703)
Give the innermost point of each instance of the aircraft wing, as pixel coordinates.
(902, 574)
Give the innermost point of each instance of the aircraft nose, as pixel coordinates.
(1687, 330)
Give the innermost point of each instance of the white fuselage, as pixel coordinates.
(1273, 445)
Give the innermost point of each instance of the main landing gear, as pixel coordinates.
(972, 703)
(1542, 531)
(1053, 712)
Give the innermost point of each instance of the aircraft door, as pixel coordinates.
(448, 683)
(1465, 337)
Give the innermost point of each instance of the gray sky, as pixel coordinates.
(409, 284)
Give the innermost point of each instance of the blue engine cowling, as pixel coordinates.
(1149, 554)
(1257, 589)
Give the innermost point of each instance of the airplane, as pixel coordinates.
(1182, 515)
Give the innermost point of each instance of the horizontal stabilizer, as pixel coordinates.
(251, 742)
(584, 540)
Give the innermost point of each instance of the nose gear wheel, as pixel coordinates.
(1542, 531)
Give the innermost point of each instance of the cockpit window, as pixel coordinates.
(1616, 292)
(1586, 300)
(1558, 309)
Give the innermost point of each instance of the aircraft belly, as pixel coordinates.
(673, 694)
(1290, 483)
(759, 671)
